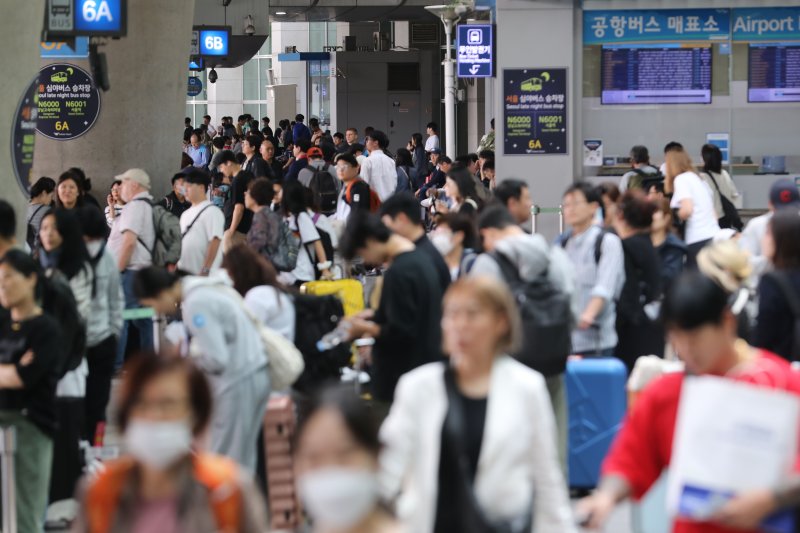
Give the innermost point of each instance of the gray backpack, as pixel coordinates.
(166, 249)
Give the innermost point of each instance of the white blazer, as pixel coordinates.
(518, 462)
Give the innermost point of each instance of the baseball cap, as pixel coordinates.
(314, 151)
(436, 151)
(137, 175)
(784, 192)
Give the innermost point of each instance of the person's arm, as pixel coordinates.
(9, 377)
(686, 208)
(129, 242)
(607, 282)
(116, 298)
(236, 219)
(211, 255)
(207, 335)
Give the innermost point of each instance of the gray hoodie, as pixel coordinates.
(533, 256)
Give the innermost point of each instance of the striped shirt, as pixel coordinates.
(604, 279)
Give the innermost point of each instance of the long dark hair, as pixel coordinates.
(248, 269)
(416, 140)
(465, 183)
(73, 256)
(712, 156)
(403, 158)
(42, 185)
(294, 199)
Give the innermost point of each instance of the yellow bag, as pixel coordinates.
(349, 291)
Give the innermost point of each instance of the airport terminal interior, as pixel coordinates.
(482, 266)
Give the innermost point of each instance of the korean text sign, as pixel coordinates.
(621, 26)
(475, 51)
(535, 111)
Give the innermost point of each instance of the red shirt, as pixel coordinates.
(643, 448)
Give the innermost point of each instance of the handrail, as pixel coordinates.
(537, 210)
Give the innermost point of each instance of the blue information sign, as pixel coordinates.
(475, 50)
(766, 24)
(625, 26)
(214, 42)
(535, 111)
(100, 17)
(195, 86)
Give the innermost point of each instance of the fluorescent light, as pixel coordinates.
(280, 12)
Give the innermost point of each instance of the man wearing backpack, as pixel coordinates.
(132, 237)
(202, 228)
(320, 177)
(641, 171)
(532, 260)
(599, 266)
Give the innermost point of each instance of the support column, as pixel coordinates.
(141, 117)
(20, 31)
(547, 29)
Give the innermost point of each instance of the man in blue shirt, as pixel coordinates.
(300, 130)
(300, 151)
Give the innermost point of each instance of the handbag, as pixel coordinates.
(474, 519)
(284, 361)
(730, 215)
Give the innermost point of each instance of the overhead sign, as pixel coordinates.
(69, 103)
(622, 26)
(61, 50)
(195, 86)
(23, 136)
(766, 24)
(102, 18)
(475, 50)
(214, 41)
(535, 111)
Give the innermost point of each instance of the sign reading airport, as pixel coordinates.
(475, 51)
(69, 103)
(535, 111)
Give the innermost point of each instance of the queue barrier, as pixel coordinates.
(538, 210)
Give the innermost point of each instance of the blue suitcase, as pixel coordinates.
(597, 399)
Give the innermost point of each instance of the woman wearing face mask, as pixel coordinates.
(336, 466)
(479, 445)
(700, 317)
(455, 238)
(65, 258)
(226, 345)
(162, 484)
(30, 353)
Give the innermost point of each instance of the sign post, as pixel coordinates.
(475, 50)
(535, 111)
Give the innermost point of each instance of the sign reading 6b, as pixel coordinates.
(214, 42)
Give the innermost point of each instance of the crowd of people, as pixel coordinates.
(465, 428)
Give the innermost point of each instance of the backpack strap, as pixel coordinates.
(36, 212)
(152, 250)
(598, 246)
(103, 495)
(220, 476)
(508, 269)
(188, 229)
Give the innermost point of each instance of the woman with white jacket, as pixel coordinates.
(474, 440)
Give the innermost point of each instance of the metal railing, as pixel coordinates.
(538, 210)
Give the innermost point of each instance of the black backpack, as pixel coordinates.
(324, 189)
(547, 320)
(730, 215)
(59, 302)
(645, 180)
(316, 316)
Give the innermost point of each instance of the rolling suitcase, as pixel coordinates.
(349, 291)
(279, 427)
(597, 399)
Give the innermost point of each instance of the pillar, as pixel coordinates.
(141, 117)
(538, 35)
(20, 31)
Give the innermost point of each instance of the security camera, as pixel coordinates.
(212, 76)
(226, 3)
(249, 25)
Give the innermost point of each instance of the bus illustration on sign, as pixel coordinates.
(61, 77)
(535, 85)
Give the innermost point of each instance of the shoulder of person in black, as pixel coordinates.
(359, 195)
(425, 245)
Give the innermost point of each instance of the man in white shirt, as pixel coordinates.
(202, 228)
(433, 137)
(132, 238)
(212, 131)
(379, 170)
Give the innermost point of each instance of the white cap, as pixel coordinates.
(135, 174)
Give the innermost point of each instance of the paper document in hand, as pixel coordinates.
(730, 437)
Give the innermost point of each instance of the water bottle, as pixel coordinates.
(334, 338)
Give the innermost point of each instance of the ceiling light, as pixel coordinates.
(281, 13)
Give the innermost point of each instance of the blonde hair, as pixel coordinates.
(678, 162)
(495, 296)
(725, 263)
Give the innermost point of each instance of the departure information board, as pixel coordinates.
(656, 74)
(774, 73)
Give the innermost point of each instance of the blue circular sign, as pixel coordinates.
(195, 86)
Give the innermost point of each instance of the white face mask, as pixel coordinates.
(339, 497)
(442, 241)
(158, 444)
